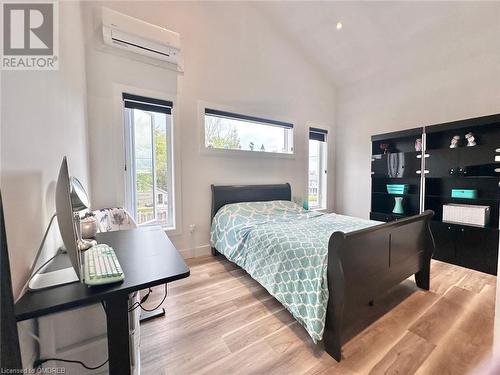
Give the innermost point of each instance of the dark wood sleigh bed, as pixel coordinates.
(362, 265)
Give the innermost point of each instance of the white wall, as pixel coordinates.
(466, 89)
(43, 118)
(232, 57)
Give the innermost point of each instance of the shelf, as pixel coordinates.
(472, 149)
(396, 195)
(405, 134)
(393, 214)
(485, 135)
(462, 200)
(396, 178)
(472, 124)
(402, 141)
(477, 161)
(460, 177)
(383, 216)
(458, 225)
(410, 153)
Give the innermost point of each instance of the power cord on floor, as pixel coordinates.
(41, 361)
(134, 306)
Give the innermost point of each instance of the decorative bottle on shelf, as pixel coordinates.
(398, 206)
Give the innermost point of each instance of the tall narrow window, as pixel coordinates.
(148, 130)
(317, 168)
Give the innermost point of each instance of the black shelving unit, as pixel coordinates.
(401, 164)
(431, 175)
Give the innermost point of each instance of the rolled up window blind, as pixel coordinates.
(316, 134)
(147, 104)
(237, 116)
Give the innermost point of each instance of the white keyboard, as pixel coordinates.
(101, 266)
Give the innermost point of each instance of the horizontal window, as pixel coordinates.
(232, 131)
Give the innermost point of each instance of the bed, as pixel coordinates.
(324, 268)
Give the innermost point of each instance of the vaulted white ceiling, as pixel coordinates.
(380, 38)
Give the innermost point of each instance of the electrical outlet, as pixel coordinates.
(192, 228)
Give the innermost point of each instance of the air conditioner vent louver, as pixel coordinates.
(125, 43)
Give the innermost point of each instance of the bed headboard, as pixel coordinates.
(222, 195)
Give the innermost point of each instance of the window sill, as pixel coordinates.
(172, 232)
(169, 231)
(244, 153)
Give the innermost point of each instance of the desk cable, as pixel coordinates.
(157, 307)
(135, 305)
(40, 361)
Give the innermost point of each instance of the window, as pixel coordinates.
(148, 129)
(231, 131)
(317, 168)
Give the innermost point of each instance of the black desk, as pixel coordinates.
(147, 257)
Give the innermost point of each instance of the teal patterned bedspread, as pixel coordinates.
(284, 248)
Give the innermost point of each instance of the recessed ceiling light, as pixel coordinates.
(339, 25)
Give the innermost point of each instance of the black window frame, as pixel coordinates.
(238, 116)
(147, 104)
(316, 134)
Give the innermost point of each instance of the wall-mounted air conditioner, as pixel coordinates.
(134, 35)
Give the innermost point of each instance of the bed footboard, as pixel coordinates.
(366, 263)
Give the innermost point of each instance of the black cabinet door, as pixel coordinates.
(477, 155)
(396, 165)
(477, 248)
(462, 161)
(479, 161)
(378, 216)
(444, 239)
(442, 163)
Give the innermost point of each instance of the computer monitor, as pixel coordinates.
(65, 217)
(66, 222)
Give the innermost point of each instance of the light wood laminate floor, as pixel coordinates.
(221, 321)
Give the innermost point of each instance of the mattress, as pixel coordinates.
(284, 248)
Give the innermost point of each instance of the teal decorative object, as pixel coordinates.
(464, 193)
(397, 188)
(398, 206)
(301, 202)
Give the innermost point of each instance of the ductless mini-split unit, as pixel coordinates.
(134, 35)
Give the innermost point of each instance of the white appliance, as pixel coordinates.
(137, 36)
